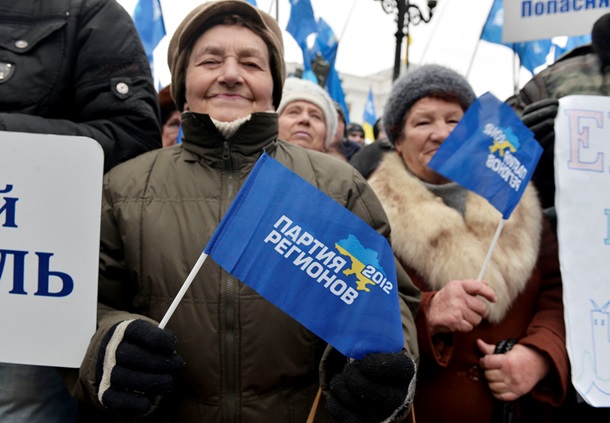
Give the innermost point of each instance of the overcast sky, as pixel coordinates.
(367, 39)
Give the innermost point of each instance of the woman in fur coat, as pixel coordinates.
(470, 371)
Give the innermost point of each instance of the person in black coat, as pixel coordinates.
(70, 67)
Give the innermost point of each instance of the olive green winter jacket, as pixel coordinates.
(245, 359)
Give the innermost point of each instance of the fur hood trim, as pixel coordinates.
(442, 245)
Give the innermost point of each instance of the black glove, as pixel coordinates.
(137, 362)
(373, 389)
(539, 117)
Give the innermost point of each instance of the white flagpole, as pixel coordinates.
(491, 249)
(185, 287)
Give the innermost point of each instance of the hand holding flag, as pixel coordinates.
(492, 153)
(312, 258)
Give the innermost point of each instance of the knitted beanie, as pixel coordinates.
(296, 89)
(210, 14)
(426, 81)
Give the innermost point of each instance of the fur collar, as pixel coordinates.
(442, 245)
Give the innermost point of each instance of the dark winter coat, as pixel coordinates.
(77, 67)
(245, 359)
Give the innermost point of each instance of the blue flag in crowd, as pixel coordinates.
(369, 116)
(490, 152)
(313, 259)
(571, 43)
(531, 54)
(335, 90)
(301, 24)
(327, 45)
(492, 30)
(252, 2)
(148, 20)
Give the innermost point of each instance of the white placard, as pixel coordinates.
(528, 20)
(582, 177)
(50, 202)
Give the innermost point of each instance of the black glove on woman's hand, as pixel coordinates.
(374, 389)
(137, 362)
(539, 117)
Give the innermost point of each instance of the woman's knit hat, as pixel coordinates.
(296, 89)
(209, 14)
(425, 81)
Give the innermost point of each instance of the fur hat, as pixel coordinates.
(296, 89)
(210, 14)
(425, 81)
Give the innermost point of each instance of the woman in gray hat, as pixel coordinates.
(441, 233)
(227, 355)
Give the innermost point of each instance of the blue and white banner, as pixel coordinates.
(313, 258)
(490, 152)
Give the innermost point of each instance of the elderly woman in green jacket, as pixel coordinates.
(227, 355)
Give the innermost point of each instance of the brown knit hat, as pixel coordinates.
(199, 20)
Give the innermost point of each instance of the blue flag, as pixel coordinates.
(492, 30)
(327, 45)
(302, 21)
(252, 2)
(335, 90)
(571, 43)
(312, 258)
(148, 19)
(532, 54)
(369, 116)
(301, 24)
(490, 152)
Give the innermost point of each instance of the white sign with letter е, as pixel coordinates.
(582, 178)
(50, 201)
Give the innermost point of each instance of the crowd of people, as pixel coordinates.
(490, 350)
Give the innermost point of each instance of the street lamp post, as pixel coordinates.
(407, 13)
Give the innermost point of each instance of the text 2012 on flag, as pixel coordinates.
(312, 258)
